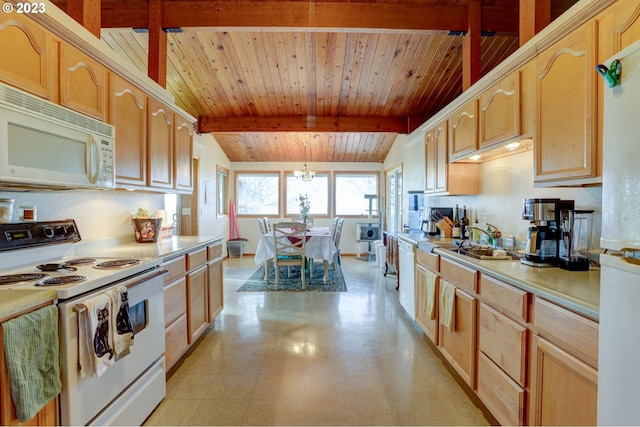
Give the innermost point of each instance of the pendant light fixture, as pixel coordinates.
(305, 174)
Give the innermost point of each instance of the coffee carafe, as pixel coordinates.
(544, 233)
(575, 229)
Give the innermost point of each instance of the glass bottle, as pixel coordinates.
(464, 223)
(455, 232)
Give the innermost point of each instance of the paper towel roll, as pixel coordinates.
(161, 213)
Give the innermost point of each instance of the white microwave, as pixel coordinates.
(44, 145)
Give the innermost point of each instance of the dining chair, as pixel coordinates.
(267, 224)
(289, 240)
(337, 234)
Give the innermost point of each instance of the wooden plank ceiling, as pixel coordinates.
(264, 77)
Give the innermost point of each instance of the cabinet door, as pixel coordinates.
(429, 326)
(459, 346)
(502, 396)
(216, 301)
(430, 161)
(626, 21)
(463, 131)
(175, 300)
(197, 303)
(564, 389)
(128, 113)
(566, 145)
(500, 111)
(83, 83)
(183, 168)
(160, 145)
(30, 49)
(441, 158)
(176, 340)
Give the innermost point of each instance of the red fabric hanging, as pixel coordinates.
(233, 222)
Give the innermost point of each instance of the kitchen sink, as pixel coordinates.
(486, 254)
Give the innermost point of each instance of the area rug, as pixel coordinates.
(256, 282)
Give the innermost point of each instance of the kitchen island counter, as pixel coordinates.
(15, 301)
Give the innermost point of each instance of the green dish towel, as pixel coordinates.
(31, 349)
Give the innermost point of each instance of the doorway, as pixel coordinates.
(189, 205)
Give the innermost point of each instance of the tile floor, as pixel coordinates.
(314, 358)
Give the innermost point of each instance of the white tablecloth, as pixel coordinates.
(319, 246)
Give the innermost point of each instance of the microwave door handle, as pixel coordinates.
(95, 163)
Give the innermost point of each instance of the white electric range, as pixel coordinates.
(129, 390)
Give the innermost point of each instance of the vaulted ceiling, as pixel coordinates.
(346, 76)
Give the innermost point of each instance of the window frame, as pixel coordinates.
(236, 175)
(288, 173)
(355, 173)
(225, 207)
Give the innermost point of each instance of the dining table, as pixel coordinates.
(319, 245)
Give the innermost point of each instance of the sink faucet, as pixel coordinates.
(492, 232)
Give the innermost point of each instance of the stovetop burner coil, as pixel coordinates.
(118, 263)
(62, 280)
(17, 278)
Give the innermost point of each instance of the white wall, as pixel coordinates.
(206, 148)
(249, 226)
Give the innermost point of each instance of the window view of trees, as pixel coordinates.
(257, 193)
(317, 190)
(350, 190)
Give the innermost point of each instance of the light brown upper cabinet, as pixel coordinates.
(183, 169)
(566, 144)
(500, 111)
(32, 65)
(83, 83)
(128, 113)
(160, 145)
(443, 177)
(463, 131)
(626, 24)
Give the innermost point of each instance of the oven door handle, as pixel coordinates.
(79, 308)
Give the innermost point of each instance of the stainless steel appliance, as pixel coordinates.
(430, 226)
(128, 391)
(45, 145)
(544, 233)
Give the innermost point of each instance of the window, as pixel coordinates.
(222, 190)
(317, 190)
(258, 193)
(350, 191)
(394, 200)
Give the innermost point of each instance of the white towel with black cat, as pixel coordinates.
(121, 321)
(95, 340)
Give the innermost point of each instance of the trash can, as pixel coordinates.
(235, 248)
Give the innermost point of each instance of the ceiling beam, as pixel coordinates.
(86, 13)
(534, 16)
(471, 49)
(157, 64)
(303, 15)
(301, 124)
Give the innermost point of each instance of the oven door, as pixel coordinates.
(84, 399)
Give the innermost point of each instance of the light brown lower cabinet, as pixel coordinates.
(503, 397)
(459, 346)
(198, 303)
(47, 416)
(426, 262)
(564, 389)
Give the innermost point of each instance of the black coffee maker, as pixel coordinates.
(544, 234)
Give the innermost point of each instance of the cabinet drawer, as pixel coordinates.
(503, 398)
(175, 300)
(175, 337)
(569, 330)
(428, 260)
(176, 268)
(196, 258)
(504, 341)
(461, 276)
(214, 251)
(504, 298)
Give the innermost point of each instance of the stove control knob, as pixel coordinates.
(47, 231)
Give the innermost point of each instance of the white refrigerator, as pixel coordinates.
(619, 347)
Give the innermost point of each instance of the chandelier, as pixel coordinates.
(305, 174)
